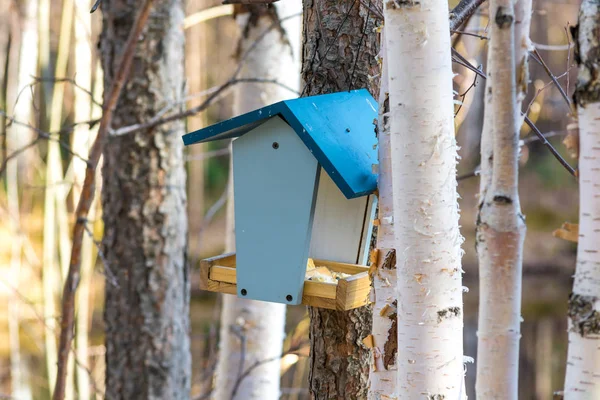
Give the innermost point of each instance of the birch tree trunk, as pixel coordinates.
(28, 67)
(501, 226)
(340, 48)
(583, 360)
(425, 223)
(382, 374)
(144, 203)
(252, 331)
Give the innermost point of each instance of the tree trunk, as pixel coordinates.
(501, 226)
(583, 361)
(425, 223)
(253, 331)
(382, 375)
(144, 209)
(340, 48)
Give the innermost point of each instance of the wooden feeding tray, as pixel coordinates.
(218, 274)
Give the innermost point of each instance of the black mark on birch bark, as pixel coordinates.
(447, 313)
(436, 397)
(503, 19)
(499, 199)
(396, 4)
(585, 319)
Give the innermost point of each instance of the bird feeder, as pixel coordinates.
(303, 179)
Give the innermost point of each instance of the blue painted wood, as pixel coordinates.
(337, 128)
(275, 194)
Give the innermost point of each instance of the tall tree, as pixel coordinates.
(147, 308)
(500, 226)
(382, 374)
(583, 361)
(425, 209)
(340, 48)
(253, 331)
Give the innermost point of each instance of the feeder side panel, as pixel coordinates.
(275, 186)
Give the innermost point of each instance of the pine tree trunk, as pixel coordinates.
(501, 226)
(583, 361)
(340, 48)
(253, 331)
(425, 223)
(147, 312)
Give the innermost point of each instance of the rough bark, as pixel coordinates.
(147, 312)
(501, 226)
(340, 46)
(425, 223)
(253, 331)
(583, 360)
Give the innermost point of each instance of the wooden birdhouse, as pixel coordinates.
(304, 178)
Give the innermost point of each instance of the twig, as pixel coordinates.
(39, 79)
(110, 276)
(456, 56)
(16, 153)
(525, 141)
(218, 93)
(256, 365)
(470, 34)
(86, 197)
(373, 8)
(464, 94)
(44, 135)
(537, 57)
(552, 47)
(462, 12)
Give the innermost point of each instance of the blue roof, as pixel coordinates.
(337, 128)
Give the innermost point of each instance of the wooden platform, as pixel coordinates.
(218, 274)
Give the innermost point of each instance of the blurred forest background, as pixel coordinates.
(48, 54)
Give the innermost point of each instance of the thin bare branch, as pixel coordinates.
(216, 95)
(44, 135)
(457, 57)
(16, 153)
(462, 12)
(538, 58)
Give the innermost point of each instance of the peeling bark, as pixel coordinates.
(147, 312)
(425, 208)
(339, 52)
(583, 361)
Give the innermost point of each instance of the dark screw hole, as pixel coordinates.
(244, 292)
(275, 145)
(289, 297)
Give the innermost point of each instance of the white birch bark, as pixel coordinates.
(382, 374)
(501, 227)
(23, 108)
(260, 325)
(427, 238)
(582, 380)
